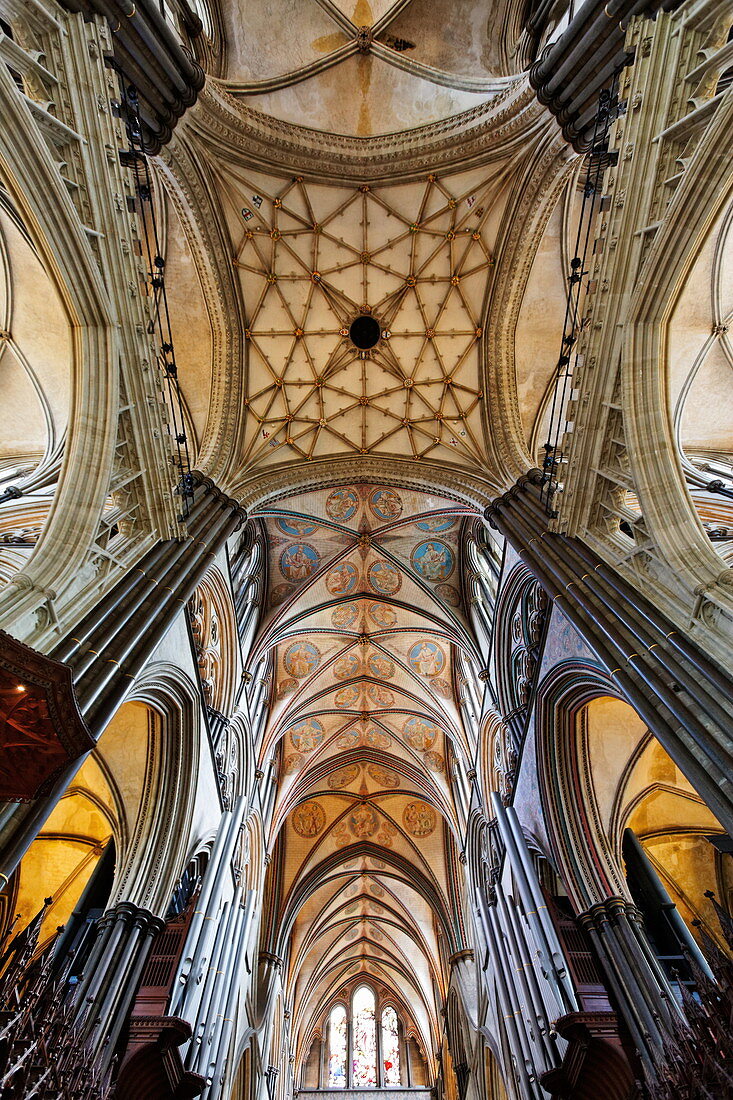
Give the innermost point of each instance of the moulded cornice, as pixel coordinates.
(269, 485)
(492, 129)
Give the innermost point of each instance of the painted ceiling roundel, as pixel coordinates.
(364, 622)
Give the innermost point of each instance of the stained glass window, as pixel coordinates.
(390, 1047)
(364, 1038)
(337, 1048)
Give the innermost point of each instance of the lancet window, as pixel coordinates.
(364, 1045)
(337, 1047)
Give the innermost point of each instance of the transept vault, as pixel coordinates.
(366, 524)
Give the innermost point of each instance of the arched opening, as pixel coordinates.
(365, 1045)
(364, 1038)
(652, 838)
(106, 811)
(36, 363)
(391, 1060)
(62, 860)
(337, 1048)
(657, 825)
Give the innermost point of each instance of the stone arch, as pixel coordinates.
(157, 850)
(586, 863)
(51, 222)
(601, 772)
(214, 629)
(668, 509)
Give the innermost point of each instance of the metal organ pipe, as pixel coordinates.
(201, 991)
(527, 969)
(549, 949)
(549, 931)
(528, 1000)
(211, 889)
(221, 989)
(221, 1052)
(517, 1038)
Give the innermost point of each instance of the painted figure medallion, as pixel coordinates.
(448, 593)
(385, 777)
(382, 615)
(309, 819)
(364, 822)
(384, 578)
(380, 696)
(297, 528)
(342, 777)
(434, 761)
(342, 504)
(419, 818)
(385, 504)
(285, 687)
(433, 560)
(427, 658)
(299, 561)
(346, 666)
(381, 666)
(306, 735)
(301, 658)
(346, 697)
(419, 734)
(344, 615)
(377, 739)
(342, 579)
(292, 763)
(442, 687)
(434, 525)
(280, 592)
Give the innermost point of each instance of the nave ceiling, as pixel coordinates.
(364, 625)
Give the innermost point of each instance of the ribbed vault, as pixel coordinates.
(364, 623)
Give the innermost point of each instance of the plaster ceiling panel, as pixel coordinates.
(699, 352)
(364, 13)
(36, 358)
(189, 324)
(363, 96)
(711, 387)
(256, 45)
(456, 38)
(540, 324)
(25, 428)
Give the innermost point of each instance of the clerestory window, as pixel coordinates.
(363, 1048)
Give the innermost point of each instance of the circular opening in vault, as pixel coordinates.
(365, 332)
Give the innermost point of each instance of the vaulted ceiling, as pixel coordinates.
(365, 67)
(365, 206)
(364, 624)
(310, 260)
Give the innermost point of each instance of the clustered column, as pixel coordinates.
(685, 699)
